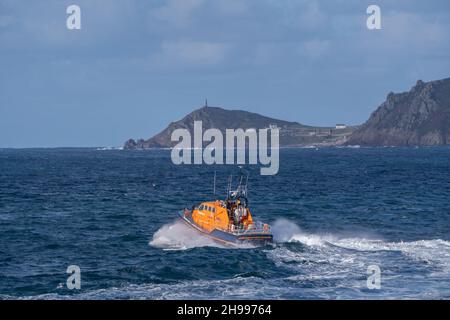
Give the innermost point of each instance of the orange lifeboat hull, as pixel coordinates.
(223, 235)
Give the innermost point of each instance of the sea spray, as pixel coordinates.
(283, 230)
(178, 236)
(287, 231)
(433, 252)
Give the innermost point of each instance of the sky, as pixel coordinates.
(137, 65)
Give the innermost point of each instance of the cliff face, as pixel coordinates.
(420, 117)
(291, 133)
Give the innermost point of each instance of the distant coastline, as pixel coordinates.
(420, 117)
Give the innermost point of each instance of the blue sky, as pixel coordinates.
(135, 66)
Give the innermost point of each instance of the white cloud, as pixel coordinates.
(231, 7)
(177, 12)
(5, 21)
(300, 14)
(46, 25)
(190, 53)
(405, 33)
(315, 48)
(402, 27)
(312, 16)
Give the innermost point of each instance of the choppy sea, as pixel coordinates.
(334, 213)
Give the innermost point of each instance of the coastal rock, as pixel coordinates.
(130, 144)
(420, 117)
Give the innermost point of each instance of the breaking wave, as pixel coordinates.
(287, 231)
(234, 288)
(319, 266)
(343, 261)
(178, 236)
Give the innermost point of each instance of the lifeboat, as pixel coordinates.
(228, 221)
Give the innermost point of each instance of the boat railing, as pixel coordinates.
(257, 227)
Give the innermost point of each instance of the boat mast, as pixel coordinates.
(246, 186)
(214, 182)
(230, 179)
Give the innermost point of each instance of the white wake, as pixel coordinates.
(178, 236)
(431, 251)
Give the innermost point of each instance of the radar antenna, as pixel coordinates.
(214, 182)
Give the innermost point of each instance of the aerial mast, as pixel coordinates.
(214, 182)
(230, 179)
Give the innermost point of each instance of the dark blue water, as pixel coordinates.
(334, 211)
